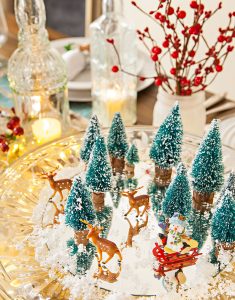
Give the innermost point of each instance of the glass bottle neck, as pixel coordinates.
(112, 6)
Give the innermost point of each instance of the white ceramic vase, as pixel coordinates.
(192, 111)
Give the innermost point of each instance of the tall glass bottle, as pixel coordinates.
(113, 92)
(37, 75)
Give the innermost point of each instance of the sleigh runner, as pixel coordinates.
(175, 261)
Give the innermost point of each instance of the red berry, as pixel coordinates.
(173, 71)
(18, 131)
(229, 39)
(170, 10)
(219, 68)
(4, 147)
(197, 80)
(196, 29)
(115, 69)
(165, 44)
(110, 41)
(192, 53)
(14, 122)
(162, 19)
(175, 54)
(158, 81)
(158, 15)
(230, 48)
(156, 50)
(188, 92)
(181, 14)
(194, 5)
(133, 3)
(221, 38)
(141, 78)
(154, 57)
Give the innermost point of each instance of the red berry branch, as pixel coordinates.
(13, 129)
(189, 73)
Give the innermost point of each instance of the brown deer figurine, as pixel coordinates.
(106, 275)
(57, 185)
(137, 202)
(134, 230)
(102, 245)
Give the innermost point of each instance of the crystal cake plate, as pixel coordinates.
(34, 258)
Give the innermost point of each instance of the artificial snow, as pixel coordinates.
(137, 275)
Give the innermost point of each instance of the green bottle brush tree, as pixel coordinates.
(166, 147)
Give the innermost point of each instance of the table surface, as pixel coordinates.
(146, 98)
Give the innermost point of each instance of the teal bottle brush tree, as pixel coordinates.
(92, 132)
(99, 174)
(166, 147)
(229, 185)
(178, 195)
(117, 144)
(132, 158)
(223, 223)
(79, 206)
(208, 169)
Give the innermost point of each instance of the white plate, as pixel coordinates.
(80, 87)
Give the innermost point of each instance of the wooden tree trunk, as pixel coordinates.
(162, 176)
(98, 201)
(118, 165)
(80, 237)
(202, 201)
(130, 170)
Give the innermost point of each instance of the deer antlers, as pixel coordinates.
(132, 191)
(45, 175)
(90, 226)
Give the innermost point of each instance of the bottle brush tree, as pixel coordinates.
(208, 169)
(79, 206)
(178, 195)
(166, 147)
(117, 144)
(132, 157)
(223, 222)
(99, 174)
(91, 134)
(229, 185)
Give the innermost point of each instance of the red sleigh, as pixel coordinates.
(175, 261)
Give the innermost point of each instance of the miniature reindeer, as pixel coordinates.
(106, 275)
(137, 202)
(57, 185)
(134, 231)
(101, 244)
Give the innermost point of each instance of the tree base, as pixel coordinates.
(228, 246)
(129, 170)
(118, 165)
(162, 176)
(98, 201)
(80, 237)
(202, 201)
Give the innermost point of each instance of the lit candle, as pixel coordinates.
(114, 102)
(46, 130)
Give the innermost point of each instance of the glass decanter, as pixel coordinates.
(37, 75)
(113, 92)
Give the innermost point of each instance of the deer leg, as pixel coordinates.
(53, 195)
(126, 214)
(99, 252)
(137, 211)
(145, 208)
(61, 195)
(108, 259)
(119, 255)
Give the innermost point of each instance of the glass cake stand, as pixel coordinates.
(21, 276)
